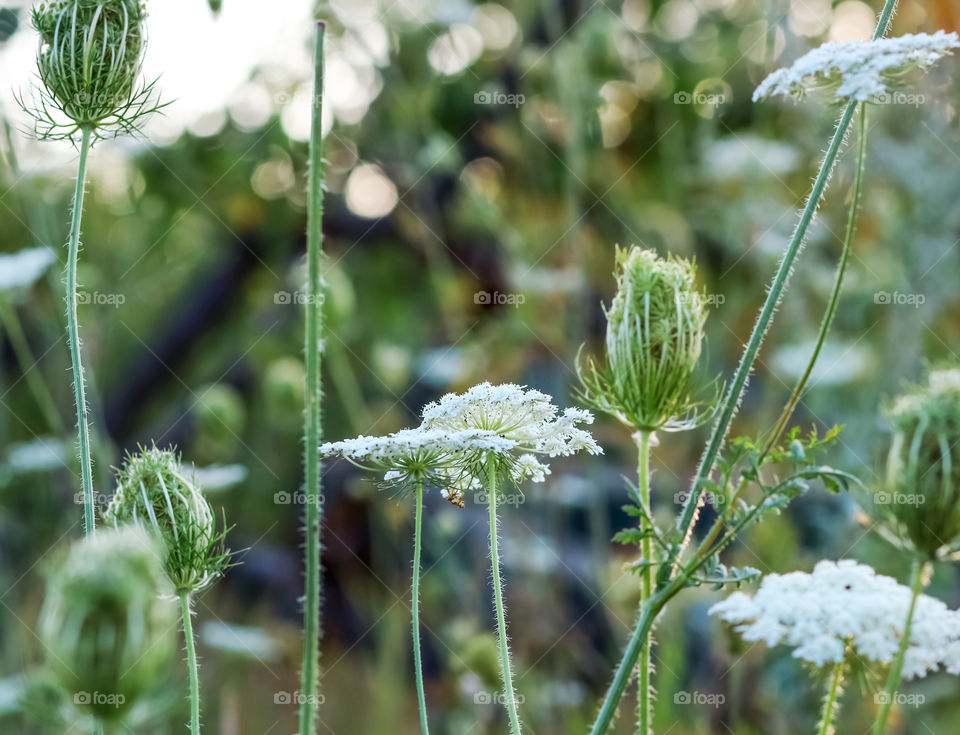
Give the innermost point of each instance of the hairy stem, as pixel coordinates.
(309, 672)
(505, 670)
(830, 701)
(415, 611)
(644, 693)
(918, 574)
(191, 663)
(827, 321)
(73, 333)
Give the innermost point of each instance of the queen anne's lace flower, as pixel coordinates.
(859, 70)
(844, 605)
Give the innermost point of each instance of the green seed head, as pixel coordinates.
(654, 335)
(108, 621)
(154, 491)
(89, 59)
(923, 465)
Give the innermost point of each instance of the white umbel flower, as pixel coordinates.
(860, 70)
(24, 268)
(843, 605)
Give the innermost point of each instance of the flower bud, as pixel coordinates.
(106, 626)
(89, 59)
(654, 334)
(153, 490)
(923, 464)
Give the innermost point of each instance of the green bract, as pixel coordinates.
(923, 466)
(153, 490)
(106, 625)
(89, 59)
(654, 334)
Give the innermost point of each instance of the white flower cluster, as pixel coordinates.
(845, 605)
(22, 269)
(860, 70)
(395, 450)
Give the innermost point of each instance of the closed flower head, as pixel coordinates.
(864, 71)
(843, 609)
(90, 57)
(154, 491)
(654, 335)
(923, 465)
(108, 621)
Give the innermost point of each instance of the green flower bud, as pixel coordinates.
(108, 621)
(89, 59)
(654, 334)
(922, 492)
(154, 491)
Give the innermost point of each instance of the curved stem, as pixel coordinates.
(73, 333)
(505, 670)
(415, 611)
(644, 693)
(737, 387)
(917, 577)
(309, 672)
(827, 321)
(830, 701)
(191, 663)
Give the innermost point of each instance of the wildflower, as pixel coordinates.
(154, 491)
(107, 621)
(654, 334)
(841, 608)
(861, 70)
(923, 465)
(90, 57)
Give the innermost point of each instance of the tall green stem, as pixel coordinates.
(644, 691)
(505, 670)
(830, 701)
(415, 611)
(191, 663)
(918, 574)
(309, 672)
(73, 332)
(827, 321)
(97, 727)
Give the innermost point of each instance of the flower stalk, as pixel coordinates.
(644, 689)
(415, 609)
(309, 675)
(185, 613)
(831, 700)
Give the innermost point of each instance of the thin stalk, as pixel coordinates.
(415, 611)
(917, 582)
(827, 321)
(644, 693)
(97, 727)
(505, 670)
(737, 386)
(830, 701)
(309, 673)
(73, 332)
(191, 663)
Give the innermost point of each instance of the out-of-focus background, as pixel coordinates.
(483, 161)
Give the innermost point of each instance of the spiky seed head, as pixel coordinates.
(108, 620)
(155, 491)
(655, 326)
(90, 56)
(923, 464)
